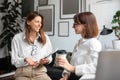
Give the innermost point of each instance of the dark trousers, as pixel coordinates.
(74, 77)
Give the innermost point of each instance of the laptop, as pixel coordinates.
(108, 67)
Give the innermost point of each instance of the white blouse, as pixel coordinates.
(85, 56)
(35, 51)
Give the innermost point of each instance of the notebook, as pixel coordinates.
(108, 67)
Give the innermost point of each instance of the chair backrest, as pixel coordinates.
(108, 67)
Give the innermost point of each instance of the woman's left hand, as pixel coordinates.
(65, 64)
(43, 61)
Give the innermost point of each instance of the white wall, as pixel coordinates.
(103, 11)
(103, 14)
(66, 43)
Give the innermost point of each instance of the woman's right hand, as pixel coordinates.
(31, 62)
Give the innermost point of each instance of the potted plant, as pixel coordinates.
(116, 28)
(11, 25)
(11, 22)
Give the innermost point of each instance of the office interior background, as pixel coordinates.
(62, 34)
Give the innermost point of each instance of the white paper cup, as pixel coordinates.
(60, 54)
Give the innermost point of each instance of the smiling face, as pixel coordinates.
(35, 24)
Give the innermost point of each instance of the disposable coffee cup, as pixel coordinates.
(60, 54)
